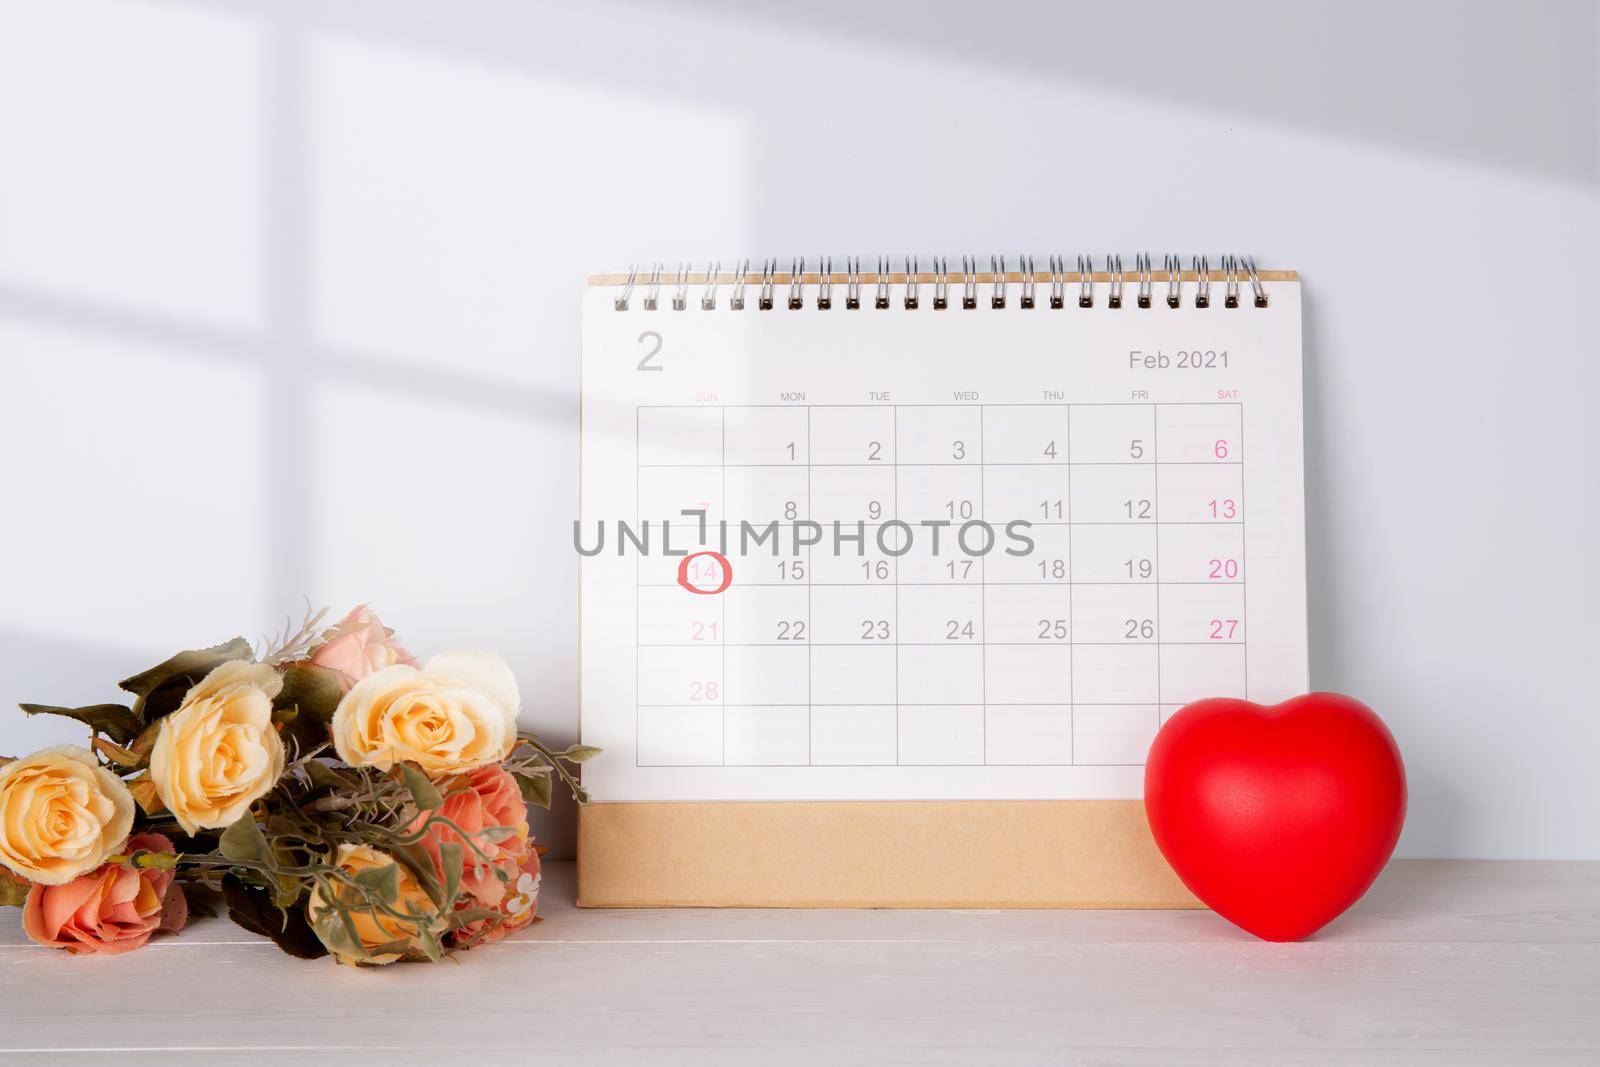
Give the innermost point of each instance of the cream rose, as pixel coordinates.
(457, 713)
(61, 814)
(219, 751)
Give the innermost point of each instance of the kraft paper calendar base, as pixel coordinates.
(874, 854)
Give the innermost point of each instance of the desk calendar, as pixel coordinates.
(924, 536)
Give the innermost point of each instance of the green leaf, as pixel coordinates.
(452, 858)
(382, 882)
(286, 890)
(306, 704)
(329, 930)
(400, 946)
(462, 916)
(115, 721)
(314, 690)
(324, 776)
(144, 793)
(252, 910)
(13, 889)
(580, 753)
(243, 841)
(416, 860)
(159, 690)
(423, 792)
(145, 742)
(351, 936)
(535, 789)
(430, 945)
(124, 758)
(499, 833)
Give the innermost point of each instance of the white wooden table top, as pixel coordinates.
(1444, 962)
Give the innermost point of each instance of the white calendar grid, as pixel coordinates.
(1072, 655)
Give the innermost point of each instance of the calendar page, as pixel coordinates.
(916, 554)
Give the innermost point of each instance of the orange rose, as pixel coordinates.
(518, 906)
(113, 909)
(372, 934)
(484, 797)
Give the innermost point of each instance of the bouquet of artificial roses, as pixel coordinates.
(340, 797)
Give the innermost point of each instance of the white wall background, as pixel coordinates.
(289, 304)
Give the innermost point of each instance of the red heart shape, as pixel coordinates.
(1278, 818)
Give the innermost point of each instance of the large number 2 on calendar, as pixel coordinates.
(644, 361)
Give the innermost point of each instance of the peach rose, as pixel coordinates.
(219, 751)
(384, 938)
(61, 814)
(457, 713)
(114, 909)
(485, 797)
(358, 646)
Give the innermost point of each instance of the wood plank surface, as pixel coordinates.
(1443, 962)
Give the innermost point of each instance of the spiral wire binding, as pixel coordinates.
(621, 303)
(769, 278)
(653, 294)
(1255, 282)
(708, 298)
(797, 270)
(1058, 283)
(680, 297)
(1202, 271)
(1236, 271)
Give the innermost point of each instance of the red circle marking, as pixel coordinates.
(683, 572)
